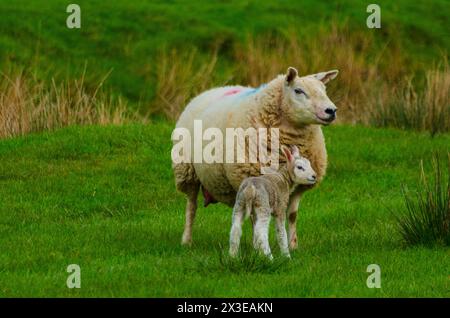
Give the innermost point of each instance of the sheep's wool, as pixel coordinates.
(244, 107)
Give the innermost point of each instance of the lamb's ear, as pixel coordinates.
(287, 153)
(291, 74)
(325, 77)
(295, 151)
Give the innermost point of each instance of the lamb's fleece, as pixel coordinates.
(238, 106)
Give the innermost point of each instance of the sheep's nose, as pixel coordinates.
(314, 177)
(331, 111)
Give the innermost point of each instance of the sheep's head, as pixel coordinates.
(305, 99)
(299, 167)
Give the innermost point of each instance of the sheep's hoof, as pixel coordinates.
(293, 245)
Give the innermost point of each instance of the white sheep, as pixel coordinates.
(268, 195)
(295, 105)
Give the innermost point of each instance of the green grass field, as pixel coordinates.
(125, 36)
(104, 198)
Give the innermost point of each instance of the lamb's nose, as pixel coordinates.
(330, 111)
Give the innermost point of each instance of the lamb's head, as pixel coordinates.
(299, 168)
(305, 99)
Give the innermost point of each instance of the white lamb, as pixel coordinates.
(268, 195)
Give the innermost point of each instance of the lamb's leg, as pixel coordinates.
(292, 217)
(280, 226)
(262, 231)
(253, 220)
(191, 208)
(236, 229)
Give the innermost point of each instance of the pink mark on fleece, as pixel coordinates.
(233, 91)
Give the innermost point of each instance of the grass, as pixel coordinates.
(104, 198)
(373, 86)
(161, 53)
(427, 217)
(30, 105)
(110, 39)
(405, 106)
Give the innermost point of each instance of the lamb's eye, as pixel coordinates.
(300, 168)
(300, 91)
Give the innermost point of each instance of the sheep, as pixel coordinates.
(297, 106)
(268, 195)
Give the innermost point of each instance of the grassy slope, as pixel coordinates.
(126, 35)
(104, 198)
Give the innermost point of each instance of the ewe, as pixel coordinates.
(268, 195)
(297, 106)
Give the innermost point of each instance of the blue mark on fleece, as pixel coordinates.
(251, 91)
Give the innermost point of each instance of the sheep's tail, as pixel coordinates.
(249, 195)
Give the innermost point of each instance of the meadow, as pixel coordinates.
(104, 198)
(156, 55)
(86, 118)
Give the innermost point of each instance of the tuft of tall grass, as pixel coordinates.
(181, 74)
(405, 106)
(29, 105)
(426, 220)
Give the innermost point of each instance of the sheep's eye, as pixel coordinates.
(300, 168)
(300, 91)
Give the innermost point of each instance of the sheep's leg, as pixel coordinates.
(262, 232)
(236, 229)
(191, 208)
(292, 217)
(280, 226)
(187, 182)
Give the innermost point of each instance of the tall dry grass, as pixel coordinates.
(407, 106)
(374, 86)
(30, 105)
(377, 86)
(180, 75)
(361, 67)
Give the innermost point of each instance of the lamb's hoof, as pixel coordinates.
(186, 241)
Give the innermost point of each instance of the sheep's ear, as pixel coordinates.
(295, 151)
(287, 153)
(291, 74)
(325, 77)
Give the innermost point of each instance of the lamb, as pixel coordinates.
(268, 195)
(297, 106)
